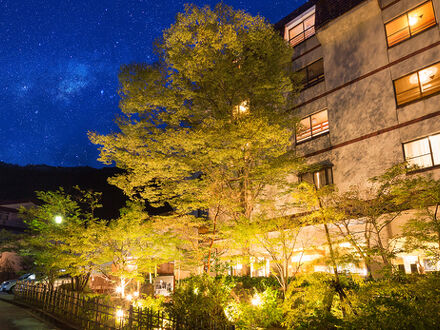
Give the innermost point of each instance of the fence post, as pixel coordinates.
(130, 317)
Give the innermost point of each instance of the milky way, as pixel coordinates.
(59, 61)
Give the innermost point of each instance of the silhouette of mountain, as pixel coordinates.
(19, 183)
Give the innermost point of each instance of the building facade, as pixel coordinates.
(371, 96)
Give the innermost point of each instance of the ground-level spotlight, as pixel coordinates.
(119, 314)
(58, 219)
(256, 300)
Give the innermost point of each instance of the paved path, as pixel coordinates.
(13, 317)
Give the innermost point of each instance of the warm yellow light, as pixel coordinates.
(242, 108)
(58, 219)
(119, 289)
(427, 74)
(136, 294)
(256, 300)
(196, 291)
(119, 314)
(413, 19)
(129, 297)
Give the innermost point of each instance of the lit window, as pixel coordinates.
(320, 178)
(423, 152)
(313, 125)
(418, 84)
(301, 29)
(410, 23)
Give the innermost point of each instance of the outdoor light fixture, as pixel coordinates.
(136, 294)
(256, 300)
(119, 289)
(129, 297)
(119, 314)
(196, 291)
(58, 219)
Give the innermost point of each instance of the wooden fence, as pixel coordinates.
(91, 313)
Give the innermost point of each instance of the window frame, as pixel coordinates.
(297, 21)
(304, 30)
(422, 95)
(317, 80)
(411, 35)
(426, 168)
(311, 137)
(327, 169)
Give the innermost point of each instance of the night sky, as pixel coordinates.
(59, 61)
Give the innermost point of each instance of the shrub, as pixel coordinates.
(261, 310)
(312, 301)
(403, 302)
(201, 298)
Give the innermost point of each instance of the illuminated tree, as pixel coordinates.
(422, 230)
(208, 127)
(63, 235)
(135, 245)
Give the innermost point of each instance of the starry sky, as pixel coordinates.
(59, 61)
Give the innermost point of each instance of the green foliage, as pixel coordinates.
(409, 302)
(134, 244)
(312, 302)
(422, 230)
(261, 310)
(69, 247)
(184, 138)
(201, 298)
(398, 302)
(155, 304)
(251, 283)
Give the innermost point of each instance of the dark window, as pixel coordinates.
(302, 31)
(312, 126)
(418, 84)
(414, 269)
(312, 73)
(423, 152)
(320, 178)
(410, 23)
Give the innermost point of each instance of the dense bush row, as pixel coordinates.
(313, 301)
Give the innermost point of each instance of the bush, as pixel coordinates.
(398, 302)
(201, 298)
(261, 310)
(312, 303)
(154, 304)
(403, 302)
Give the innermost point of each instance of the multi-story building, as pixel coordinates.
(371, 96)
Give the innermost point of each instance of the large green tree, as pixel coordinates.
(208, 126)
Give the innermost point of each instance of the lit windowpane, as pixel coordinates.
(319, 123)
(421, 18)
(304, 131)
(430, 79)
(313, 125)
(416, 85)
(302, 31)
(319, 178)
(435, 147)
(397, 30)
(418, 153)
(410, 23)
